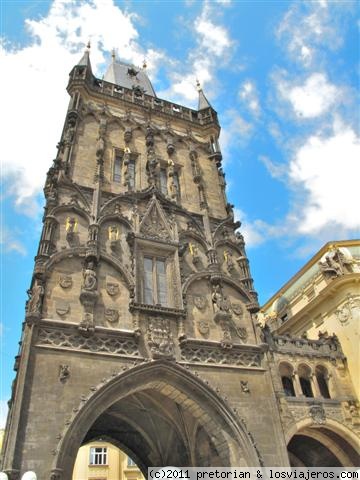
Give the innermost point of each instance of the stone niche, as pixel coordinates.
(72, 230)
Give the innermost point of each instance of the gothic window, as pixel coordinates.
(177, 183)
(321, 377)
(305, 381)
(117, 169)
(213, 145)
(98, 456)
(131, 173)
(163, 181)
(155, 285)
(286, 372)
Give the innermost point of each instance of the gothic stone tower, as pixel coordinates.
(139, 325)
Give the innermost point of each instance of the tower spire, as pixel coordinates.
(203, 101)
(85, 59)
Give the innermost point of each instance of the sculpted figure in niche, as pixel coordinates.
(220, 302)
(194, 251)
(89, 276)
(71, 225)
(229, 260)
(113, 233)
(36, 296)
(69, 134)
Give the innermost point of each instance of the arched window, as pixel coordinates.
(304, 373)
(321, 378)
(286, 374)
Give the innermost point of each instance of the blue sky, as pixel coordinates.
(283, 77)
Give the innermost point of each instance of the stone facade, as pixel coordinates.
(141, 322)
(312, 323)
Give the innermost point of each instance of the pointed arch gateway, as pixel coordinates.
(161, 414)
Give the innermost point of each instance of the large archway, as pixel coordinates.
(322, 446)
(160, 414)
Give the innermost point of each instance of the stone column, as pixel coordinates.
(297, 386)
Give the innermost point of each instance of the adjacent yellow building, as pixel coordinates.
(323, 299)
(103, 461)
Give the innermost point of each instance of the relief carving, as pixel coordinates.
(111, 315)
(244, 385)
(237, 309)
(112, 289)
(64, 373)
(65, 281)
(203, 327)
(86, 326)
(200, 302)
(62, 308)
(349, 311)
(317, 413)
(160, 338)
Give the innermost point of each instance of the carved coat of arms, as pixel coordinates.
(160, 339)
(111, 315)
(317, 413)
(203, 327)
(200, 302)
(62, 308)
(112, 289)
(65, 281)
(237, 308)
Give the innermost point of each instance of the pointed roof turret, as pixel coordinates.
(85, 59)
(203, 101)
(128, 76)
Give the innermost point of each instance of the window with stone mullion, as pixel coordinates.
(155, 285)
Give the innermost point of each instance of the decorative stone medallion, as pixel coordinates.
(65, 281)
(111, 315)
(112, 289)
(237, 308)
(317, 413)
(62, 308)
(203, 327)
(200, 302)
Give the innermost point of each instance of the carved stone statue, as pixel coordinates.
(64, 373)
(86, 326)
(70, 133)
(36, 295)
(220, 302)
(89, 276)
(336, 263)
(71, 225)
(229, 260)
(100, 147)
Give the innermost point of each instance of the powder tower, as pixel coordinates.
(140, 326)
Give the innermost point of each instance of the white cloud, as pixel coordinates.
(310, 28)
(313, 98)
(36, 79)
(235, 132)
(3, 413)
(249, 95)
(9, 240)
(251, 232)
(213, 44)
(327, 170)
